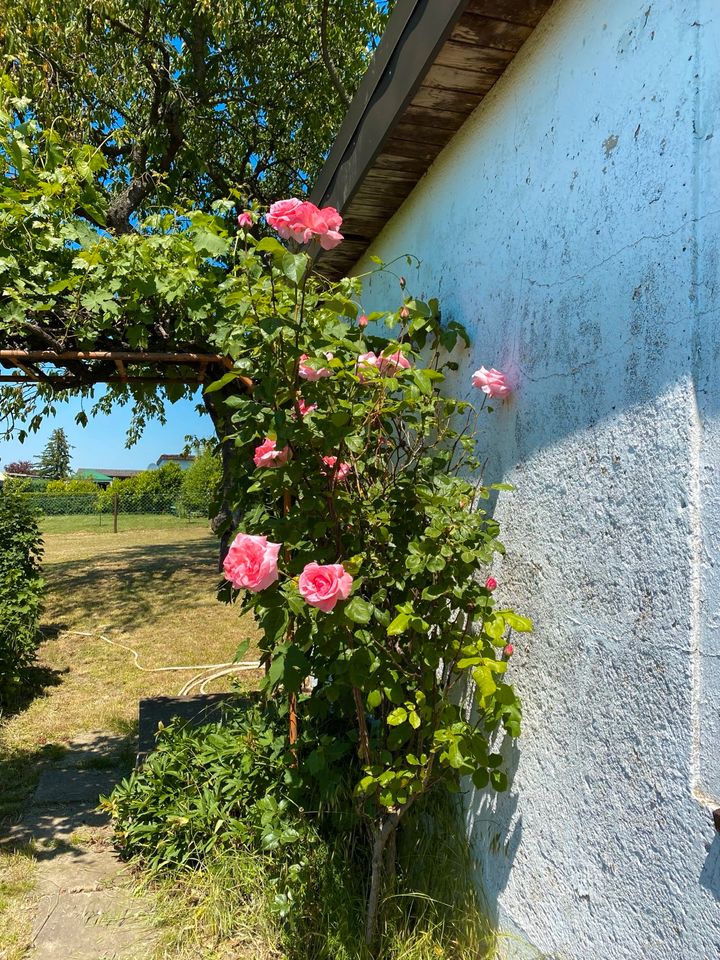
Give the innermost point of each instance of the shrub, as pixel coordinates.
(72, 486)
(21, 588)
(200, 484)
(152, 491)
(201, 791)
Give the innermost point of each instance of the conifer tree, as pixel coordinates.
(54, 462)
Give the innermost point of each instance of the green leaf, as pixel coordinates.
(374, 699)
(399, 625)
(241, 651)
(495, 626)
(224, 380)
(414, 719)
(359, 610)
(499, 780)
(399, 715)
(521, 624)
(294, 266)
(271, 245)
(480, 778)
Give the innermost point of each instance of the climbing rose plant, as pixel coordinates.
(362, 548)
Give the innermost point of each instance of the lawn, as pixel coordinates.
(151, 586)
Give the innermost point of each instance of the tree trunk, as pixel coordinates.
(380, 872)
(227, 517)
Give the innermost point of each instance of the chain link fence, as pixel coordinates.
(111, 509)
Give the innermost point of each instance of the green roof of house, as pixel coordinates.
(94, 475)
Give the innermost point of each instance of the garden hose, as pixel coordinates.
(222, 669)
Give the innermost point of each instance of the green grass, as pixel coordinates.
(103, 523)
(224, 909)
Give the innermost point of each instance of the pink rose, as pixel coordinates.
(404, 313)
(244, 220)
(492, 382)
(251, 562)
(322, 585)
(490, 583)
(509, 650)
(390, 365)
(362, 320)
(304, 222)
(266, 455)
(305, 408)
(308, 372)
(340, 472)
(365, 363)
(280, 216)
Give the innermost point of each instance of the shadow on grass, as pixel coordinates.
(128, 582)
(35, 681)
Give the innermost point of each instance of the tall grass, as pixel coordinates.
(228, 908)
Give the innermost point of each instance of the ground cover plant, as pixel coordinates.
(360, 547)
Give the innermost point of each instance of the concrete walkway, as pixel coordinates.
(84, 908)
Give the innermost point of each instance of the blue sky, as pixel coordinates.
(102, 442)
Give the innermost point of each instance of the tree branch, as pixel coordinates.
(327, 59)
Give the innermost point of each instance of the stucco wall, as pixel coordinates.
(572, 226)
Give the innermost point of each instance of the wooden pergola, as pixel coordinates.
(83, 367)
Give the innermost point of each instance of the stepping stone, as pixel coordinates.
(101, 925)
(84, 910)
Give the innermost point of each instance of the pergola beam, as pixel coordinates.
(52, 356)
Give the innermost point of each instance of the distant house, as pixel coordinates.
(180, 459)
(103, 478)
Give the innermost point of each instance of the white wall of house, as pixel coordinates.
(572, 225)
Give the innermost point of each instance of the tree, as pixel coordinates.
(186, 103)
(54, 462)
(200, 483)
(130, 134)
(22, 467)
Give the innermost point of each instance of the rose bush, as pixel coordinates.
(363, 553)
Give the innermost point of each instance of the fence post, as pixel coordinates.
(115, 511)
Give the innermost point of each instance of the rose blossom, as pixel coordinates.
(404, 313)
(305, 408)
(322, 585)
(244, 220)
(389, 366)
(304, 222)
(490, 583)
(280, 216)
(492, 382)
(312, 373)
(365, 363)
(266, 455)
(509, 650)
(342, 471)
(362, 320)
(251, 562)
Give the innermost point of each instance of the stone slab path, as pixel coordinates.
(84, 909)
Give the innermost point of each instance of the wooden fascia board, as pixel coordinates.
(415, 33)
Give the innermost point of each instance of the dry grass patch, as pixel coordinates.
(17, 878)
